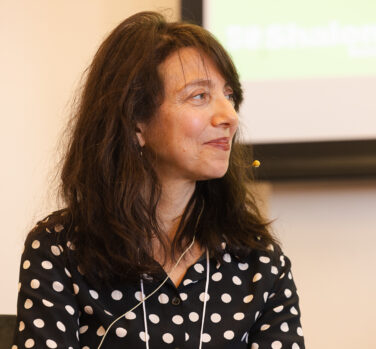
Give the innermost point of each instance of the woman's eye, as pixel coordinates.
(199, 96)
(231, 97)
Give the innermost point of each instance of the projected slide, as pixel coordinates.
(308, 67)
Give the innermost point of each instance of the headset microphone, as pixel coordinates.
(256, 163)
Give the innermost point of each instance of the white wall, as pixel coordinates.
(328, 229)
(45, 47)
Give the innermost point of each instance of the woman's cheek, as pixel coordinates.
(193, 125)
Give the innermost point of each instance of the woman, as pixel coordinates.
(160, 245)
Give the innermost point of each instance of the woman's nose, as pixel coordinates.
(224, 113)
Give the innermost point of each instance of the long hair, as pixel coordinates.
(103, 175)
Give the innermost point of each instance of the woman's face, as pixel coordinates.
(192, 132)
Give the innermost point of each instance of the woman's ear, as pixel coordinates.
(140, 127)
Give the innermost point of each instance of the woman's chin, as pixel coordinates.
(214, 173)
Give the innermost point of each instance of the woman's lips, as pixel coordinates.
(220, 143)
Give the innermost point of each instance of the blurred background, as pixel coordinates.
(327, 224)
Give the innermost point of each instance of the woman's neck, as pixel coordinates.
(173, 201)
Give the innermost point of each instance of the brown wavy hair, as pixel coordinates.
(103, 175)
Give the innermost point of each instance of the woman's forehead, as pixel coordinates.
(185, 66)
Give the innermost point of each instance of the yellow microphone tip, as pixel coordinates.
(256, 163)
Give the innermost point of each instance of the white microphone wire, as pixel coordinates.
(145, 315)
(206, 295)
(149, 295)
(143, 299)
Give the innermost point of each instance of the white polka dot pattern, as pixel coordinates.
(47, 303)
(34, 283)
(76, 288)
(56, 303)
(187, 282)
(257, 277)
(61, 326)
(236, 280)
(177, 319)
(28, 304)
(163, 298)
(29, 343)
(117, 295)
(264, 259)
(130, 315)
(55, 250)
(299, 331)
(193, 316)
(217, 276)
(101, 331)
(67, 272)
(154, 318)
(168, 338)
(276, 345)
(69, 309)
(288, 293)
(38, 323)
(226, 298)
(121, 332)
(138, 295)
(199, 268)
(88, 310)
(51, 344)
(266, 295)
(206, 338)
(143, 336)
(293, 311)
(229, 335)
(284, 327)
(239, 316)
(57, 286)
(248, 298)
(94, 294)
(204, 296)
(83, 329)
(35, 244)
(243, 266)
(183, 296)
(215, 318)
(47, 265)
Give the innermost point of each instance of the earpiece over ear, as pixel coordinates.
(139, 135)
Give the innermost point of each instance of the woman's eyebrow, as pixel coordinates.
(200, 82)
(196, 82)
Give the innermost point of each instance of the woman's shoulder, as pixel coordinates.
(271, 262)
(54, 229)
(272, 252)
(264, 253)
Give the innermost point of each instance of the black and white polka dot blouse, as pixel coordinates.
(250, 303)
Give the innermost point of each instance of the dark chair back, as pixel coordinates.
(7, 326)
